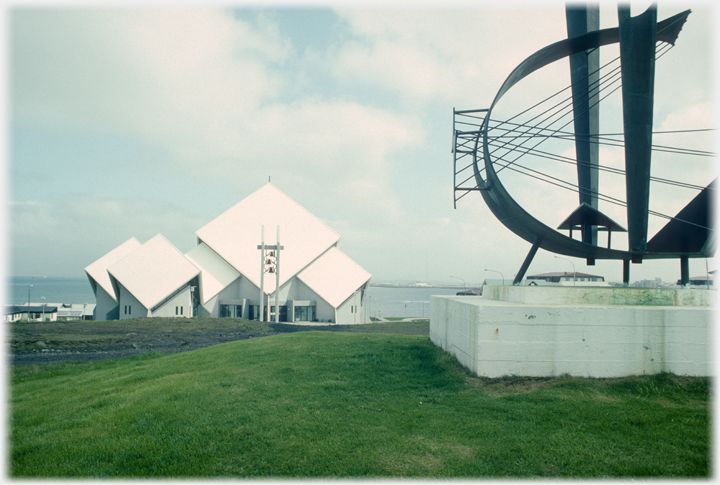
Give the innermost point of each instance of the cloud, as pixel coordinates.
(175, 77)
(350, 130)
(63, 237)
(201, 85)
(442, 55)
(116, 61)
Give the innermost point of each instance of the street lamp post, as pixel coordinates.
(29, 286)
(458, 278)
(503, 277)
(43, 308)
(573, 266)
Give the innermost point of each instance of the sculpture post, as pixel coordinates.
(637, 58)
(585, 79)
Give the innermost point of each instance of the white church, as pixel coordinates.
(235, 255)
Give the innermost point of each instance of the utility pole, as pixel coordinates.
(29, 286)
(277, 276)
(261, 305)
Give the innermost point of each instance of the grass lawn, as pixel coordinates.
(325, 404)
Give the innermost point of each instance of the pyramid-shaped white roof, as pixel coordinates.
(215, 272)
(334, 277)
(98, 270)
(235, 235)
(153, 271)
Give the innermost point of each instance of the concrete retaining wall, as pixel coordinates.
(586, 295)
(494, 338)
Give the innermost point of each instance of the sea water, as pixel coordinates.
(54, 289)
(380, 302)
(402, 301)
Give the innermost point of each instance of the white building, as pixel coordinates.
(566, 279)
(221, 276)
(37, 312)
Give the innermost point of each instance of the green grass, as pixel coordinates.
(408, 328)
(322, 404)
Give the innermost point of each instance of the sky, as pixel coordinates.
(129, 122)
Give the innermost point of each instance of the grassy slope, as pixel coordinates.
(346, 405)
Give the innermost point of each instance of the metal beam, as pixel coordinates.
(637, 59)
(684, 271)
(585, 78)
(626, 272)
(528, 260)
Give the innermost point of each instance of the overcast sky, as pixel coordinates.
(138, 121)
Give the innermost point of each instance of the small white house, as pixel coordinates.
(35, 312)
(566, 278)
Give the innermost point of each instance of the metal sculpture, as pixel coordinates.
(687, 235)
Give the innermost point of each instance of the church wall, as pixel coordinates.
(230, 292)
(179, 305)
(129, 306)
(106, 308)
(352, 311)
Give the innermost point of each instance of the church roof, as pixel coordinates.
(153, 271)
(98, 270)
(334, 277)
(215, 272)
(236, 234)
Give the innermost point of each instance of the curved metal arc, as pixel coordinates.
(503, 206)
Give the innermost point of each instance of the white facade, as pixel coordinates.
(221, 276)
(106, 307)
(129, 307)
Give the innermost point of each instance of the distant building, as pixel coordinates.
(654, 283)
(221, 275)
(75, 311)
(704, 280)
(567, 278)
(37, 312)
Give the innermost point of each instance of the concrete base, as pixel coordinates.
(581, 331)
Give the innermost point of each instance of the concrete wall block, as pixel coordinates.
(584, 295)
(494, 338)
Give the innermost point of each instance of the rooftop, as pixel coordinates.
(334, 276)
(236, 234)
(153, 271)
(563, 273)
(98, 270)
